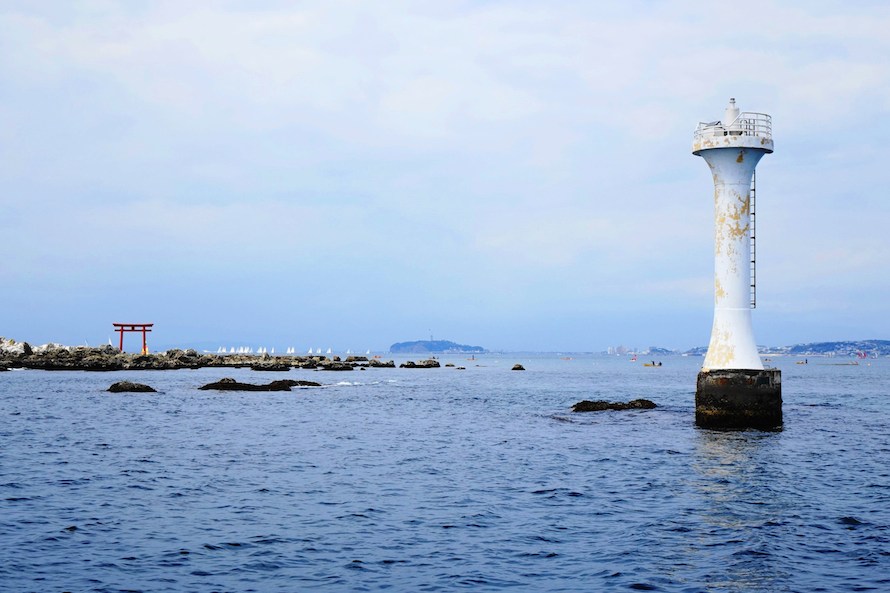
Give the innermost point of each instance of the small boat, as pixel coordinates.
(652, 364)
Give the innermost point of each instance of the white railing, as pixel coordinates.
(747, 123)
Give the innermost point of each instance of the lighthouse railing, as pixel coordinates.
(748, 123)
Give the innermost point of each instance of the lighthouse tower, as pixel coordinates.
(733, 388)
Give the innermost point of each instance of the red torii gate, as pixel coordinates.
(133, 327)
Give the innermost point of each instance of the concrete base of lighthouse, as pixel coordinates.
(739, 398)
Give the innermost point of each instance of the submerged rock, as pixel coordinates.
(299, 383)
(517, 367)
(229, 384)
(129, 387)
(600, 405)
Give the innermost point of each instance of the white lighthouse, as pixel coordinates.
(732, 147)
(733, 389)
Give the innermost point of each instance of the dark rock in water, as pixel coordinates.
(127, 387)
(423, 364)
(228, 384)
(333, 365)
(517, 367)
(270, 366)
(376, 363)
(600, 405)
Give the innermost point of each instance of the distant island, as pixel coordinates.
(432, 346)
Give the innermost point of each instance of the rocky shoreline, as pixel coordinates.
(56, 357)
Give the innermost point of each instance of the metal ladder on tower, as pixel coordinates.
(752, 226)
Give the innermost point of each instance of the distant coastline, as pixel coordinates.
(838, 348)
(19, 354)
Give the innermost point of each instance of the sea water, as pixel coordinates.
(442, 479)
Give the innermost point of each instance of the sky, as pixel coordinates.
(511, 174)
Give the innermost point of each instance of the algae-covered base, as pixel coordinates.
(739, 398)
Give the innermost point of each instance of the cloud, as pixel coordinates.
(499, 144)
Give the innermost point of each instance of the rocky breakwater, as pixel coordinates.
(56, 357)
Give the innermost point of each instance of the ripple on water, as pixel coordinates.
(431, 482)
